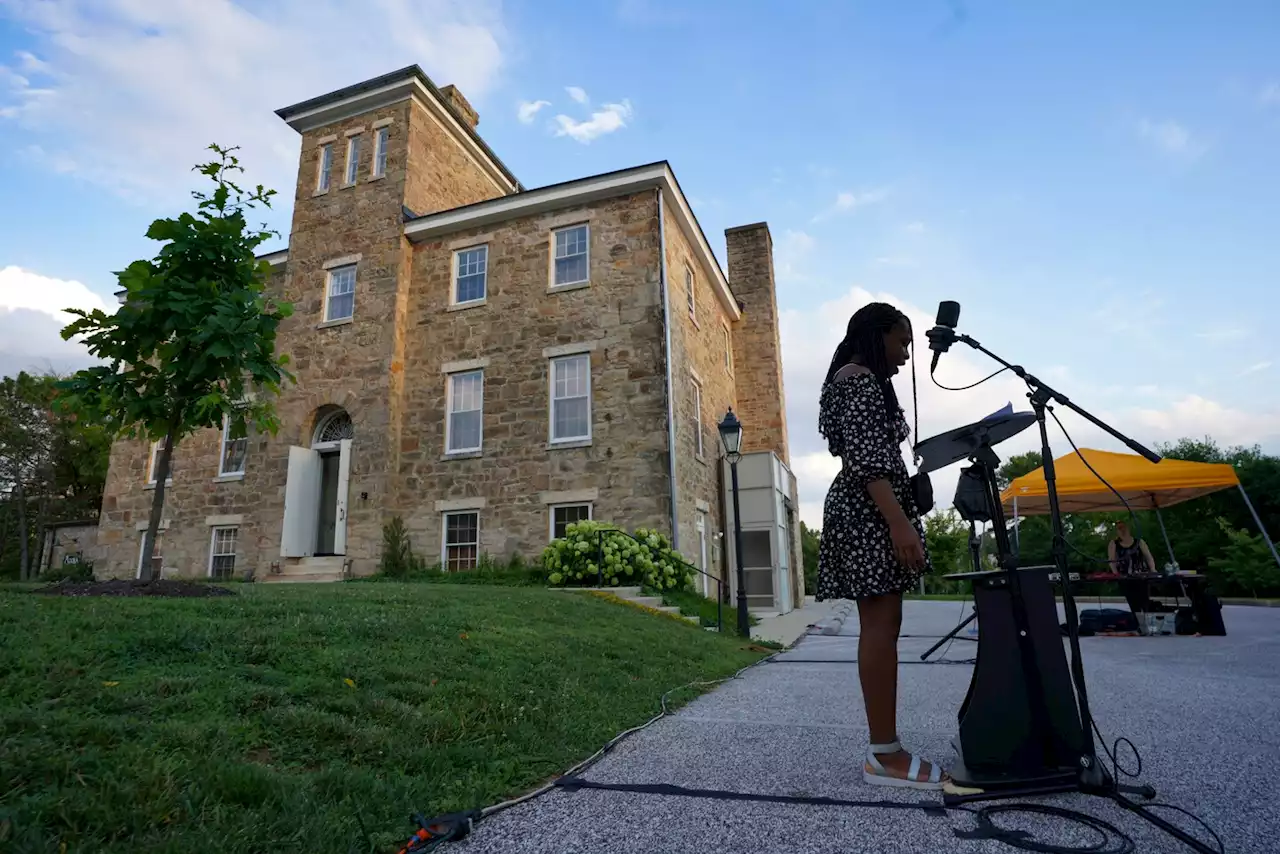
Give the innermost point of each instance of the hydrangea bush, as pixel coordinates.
(647, 560)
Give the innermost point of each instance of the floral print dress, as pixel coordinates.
(856, 558)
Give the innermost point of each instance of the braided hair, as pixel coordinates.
(864, 343)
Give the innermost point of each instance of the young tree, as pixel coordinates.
(195, 338)
(26, 439)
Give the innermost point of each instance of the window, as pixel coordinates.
(564, 515)
(461, 540)
(688, 286)
(571, 398)
(153, 464)
(340, 295)
(697, 418)
(326, 161)
(222, 553)
(157, 560)
(380, 152)
(353, 158)
(728, 347)
(466, 412)
(571, 256)
(233, 450)
(471, 273)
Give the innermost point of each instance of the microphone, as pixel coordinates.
(943, 335)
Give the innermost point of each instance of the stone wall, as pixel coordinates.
(757, 346)
(512, 334)
(80, 539)
(698, 353)
(441, 175)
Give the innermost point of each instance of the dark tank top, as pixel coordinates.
(1129, 559)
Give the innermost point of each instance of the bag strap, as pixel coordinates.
(915, 412)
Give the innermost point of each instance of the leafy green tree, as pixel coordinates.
(1246, 563)
(195, 338)
(26, 437)
(810, 540)
(1018, 465)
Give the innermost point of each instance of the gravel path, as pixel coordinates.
(1203, 712)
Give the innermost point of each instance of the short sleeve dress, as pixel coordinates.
(856, 558)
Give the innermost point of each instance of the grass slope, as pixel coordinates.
(293, 715)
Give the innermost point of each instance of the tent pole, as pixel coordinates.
(1258, 521)
(1015, 525)
(1160, 517)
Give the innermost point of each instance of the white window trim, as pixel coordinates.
(691, 298)
(322, 171)
(444, 535)
(153, 461)
(381, 142)
(453, 276)
(699, 449)
(551, 400)
(352, 171)
(222, 449)
(448, 413)
(213, 541)
(328, 287)
(726, 339)
(551, 514)
(578, 284)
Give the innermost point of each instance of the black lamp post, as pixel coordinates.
(731, 438)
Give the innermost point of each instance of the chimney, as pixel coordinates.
(460, 106)
(757, 349)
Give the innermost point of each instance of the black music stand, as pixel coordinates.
(1028, 593)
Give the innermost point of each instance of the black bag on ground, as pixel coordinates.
(1094, 620)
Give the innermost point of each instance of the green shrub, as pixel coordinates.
(590, 552)
(75, 573)
(398, 560)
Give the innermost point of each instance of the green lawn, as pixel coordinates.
(229, 724)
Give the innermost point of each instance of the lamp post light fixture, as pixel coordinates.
(731, 437)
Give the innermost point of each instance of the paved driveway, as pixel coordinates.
(1204, 712)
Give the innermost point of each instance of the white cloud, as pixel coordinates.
(1253, 369)
(916, 227)
(789, 255)
(32, 315)
(1223, 333)
(809, 338)
(849, 201)
(1172, 138)
(607, 119)
(92, 96)
(529, 109)
(577, 93)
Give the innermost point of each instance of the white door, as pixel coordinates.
(344, 480)
(702, 552)
(301, 504)
(784, 569)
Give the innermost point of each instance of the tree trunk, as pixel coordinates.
(24, 544)
(157, 504)
(42, 516)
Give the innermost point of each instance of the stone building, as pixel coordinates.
(486, 361)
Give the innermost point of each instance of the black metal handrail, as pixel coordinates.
(600, 532)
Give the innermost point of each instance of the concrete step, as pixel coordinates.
(303, 578)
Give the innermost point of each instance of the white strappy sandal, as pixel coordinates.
(878, 775)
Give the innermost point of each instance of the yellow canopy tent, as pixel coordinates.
(1082, 488)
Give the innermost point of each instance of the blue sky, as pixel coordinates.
(1100, 190)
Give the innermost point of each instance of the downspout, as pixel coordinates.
(671, 403)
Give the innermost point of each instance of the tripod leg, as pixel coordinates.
(949, 635)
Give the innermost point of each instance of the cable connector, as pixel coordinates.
(434, 832)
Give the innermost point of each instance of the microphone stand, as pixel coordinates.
(1094, 778)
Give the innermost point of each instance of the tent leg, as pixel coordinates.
(1168, 546)
(1016, 549)
(1258, 521)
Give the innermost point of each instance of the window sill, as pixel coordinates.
(375, 177)
(346, 186)
(329, 324)
(318, 193)
(571, 286)
(462, 455)
(700, 458)
(463, 306)
(568, 443)
(229, 478)
(152, 485)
